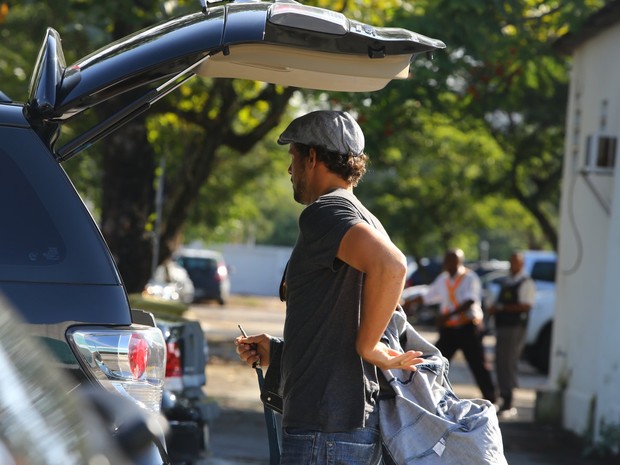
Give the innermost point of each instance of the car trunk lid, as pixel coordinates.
(284, 43)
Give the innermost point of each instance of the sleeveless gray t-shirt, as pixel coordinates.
(326, 385)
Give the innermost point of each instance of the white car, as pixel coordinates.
(170, 281)
(541, 266)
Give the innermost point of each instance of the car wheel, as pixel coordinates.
(540, 354)
(221, 301)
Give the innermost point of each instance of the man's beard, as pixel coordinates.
(298, 193)
(299, 189)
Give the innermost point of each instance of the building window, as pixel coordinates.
(601, 153)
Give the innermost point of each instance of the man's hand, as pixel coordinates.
(493, 309)
(443, 318)
(386, 358)
(254, 350)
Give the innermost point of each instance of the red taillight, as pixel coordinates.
(138, 355)
(174, 365)
(130, 361)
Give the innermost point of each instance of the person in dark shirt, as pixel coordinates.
(511, 309)
(343, 282)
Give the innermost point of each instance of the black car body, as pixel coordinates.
(56, 269)
(55, 266)
(282, 42)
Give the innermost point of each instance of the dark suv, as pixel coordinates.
(56, 270)
(208, 272)
(55, 267)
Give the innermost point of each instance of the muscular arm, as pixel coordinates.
(367, 250)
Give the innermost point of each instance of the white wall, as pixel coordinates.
(255, 269)
(586, 339)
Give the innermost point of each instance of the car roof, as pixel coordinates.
(280, 42)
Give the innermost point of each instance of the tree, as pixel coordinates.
(477, 134)
(130, 162)
(499, 84)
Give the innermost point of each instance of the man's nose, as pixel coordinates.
(290, 169)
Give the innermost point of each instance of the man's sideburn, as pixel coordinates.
(298, 169)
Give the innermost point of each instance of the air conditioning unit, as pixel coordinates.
(601, 152)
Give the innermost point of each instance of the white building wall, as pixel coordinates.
(608, 405)
(586, 341)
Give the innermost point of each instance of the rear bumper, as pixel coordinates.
(189, 419)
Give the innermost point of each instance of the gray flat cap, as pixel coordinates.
(335, 131)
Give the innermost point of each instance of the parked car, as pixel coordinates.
(46, 421)
(57, 271)
(418, 314)
(55, 266)
(484, 267)
(542, 267)
(189, 411)
(424, 273)
(208, 272)
(170, 281)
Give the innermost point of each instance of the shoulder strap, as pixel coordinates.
(282, 289)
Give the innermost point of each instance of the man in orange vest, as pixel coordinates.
(457, 291)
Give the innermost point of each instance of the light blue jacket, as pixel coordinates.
(425, 422)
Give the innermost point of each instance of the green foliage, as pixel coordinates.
(159, 307)
(428, 192)
(609, 444)
(248, 199)
(501, 92)
(606, 444)
(469, 148)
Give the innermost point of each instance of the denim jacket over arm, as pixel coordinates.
(424, 422)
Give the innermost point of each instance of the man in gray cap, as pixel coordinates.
(343, 282)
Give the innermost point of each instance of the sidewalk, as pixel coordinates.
(527, 442)
(531, 443)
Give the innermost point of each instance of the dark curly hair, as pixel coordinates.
(348, 167)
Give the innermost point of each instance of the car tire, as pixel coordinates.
(539, 355)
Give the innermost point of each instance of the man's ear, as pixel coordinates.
(312, 160)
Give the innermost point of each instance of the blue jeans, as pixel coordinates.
(356, 447)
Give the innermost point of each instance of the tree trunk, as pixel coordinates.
(128, 200)
(128, 175)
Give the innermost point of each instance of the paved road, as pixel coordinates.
(238, 436)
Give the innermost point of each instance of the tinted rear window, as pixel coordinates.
(47, 234)
(29, 236)
(544, 271)
(196, 263)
